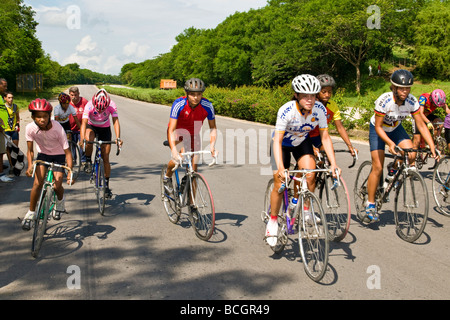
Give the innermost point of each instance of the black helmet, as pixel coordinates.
(402, 78)
(326, 80)
(194, 85)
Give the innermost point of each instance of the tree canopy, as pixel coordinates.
(270, 45)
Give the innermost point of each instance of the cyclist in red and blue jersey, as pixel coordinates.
(186, 120)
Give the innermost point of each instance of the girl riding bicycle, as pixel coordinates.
(295, 120)
(391, 109)
(52, 146)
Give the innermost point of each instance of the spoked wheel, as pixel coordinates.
(101, 186)
(360, 190)
(201, 208)
(336, 204)
(40, 225)
(282, 235)
(313, 238)
(169, 200)
(411, 206)
(441, 186)
(76, 158)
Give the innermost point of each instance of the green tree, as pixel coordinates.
(431, 29)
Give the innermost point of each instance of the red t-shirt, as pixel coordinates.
(79, 108)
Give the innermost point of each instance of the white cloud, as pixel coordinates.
(112, 33)
(133, 49)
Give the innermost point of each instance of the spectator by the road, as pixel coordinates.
(3, 125)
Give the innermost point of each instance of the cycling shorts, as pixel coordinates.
(58, 159)
(304, 148)
(104, 134)
(376, 143)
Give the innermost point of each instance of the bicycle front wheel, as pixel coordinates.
(76, 159)
(411, 206)
(282, 235)
(169, 199)
(44, 208)
(360, 192)
(336, 204)
(313, 237)
(100, 186)
(201, 208)
(441, 186)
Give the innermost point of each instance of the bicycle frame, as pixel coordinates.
(186, 158)
(402, 169)
(303, 186)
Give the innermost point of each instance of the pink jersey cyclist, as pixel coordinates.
(100, 119)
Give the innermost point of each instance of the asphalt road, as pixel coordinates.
(134, 252)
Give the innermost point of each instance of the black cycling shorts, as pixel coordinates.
(104, 134)
(58, 159)
(304, 148)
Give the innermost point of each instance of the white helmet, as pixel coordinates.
(306, 83)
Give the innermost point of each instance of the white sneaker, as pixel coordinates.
(5, 178)
(272, 232)
(309, 216)
(27, 221)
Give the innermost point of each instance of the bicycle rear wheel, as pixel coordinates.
(360, 190)
(336, 205)
(411, 206)
(76, 158)
(441, 186)
(201, 208)
(44, 208)
(100, 186)
(169, 200)
(282, 235)
(313, 238)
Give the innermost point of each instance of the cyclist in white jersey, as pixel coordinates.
(391, 109)
(294, 122)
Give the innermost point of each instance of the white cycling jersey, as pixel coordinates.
(296, 126)
(394, 114)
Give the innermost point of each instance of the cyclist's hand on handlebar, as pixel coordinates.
(119, 142)
(353, 151)
(392, 148)
(281, 174)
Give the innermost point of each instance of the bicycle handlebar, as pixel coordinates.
(304, 172)
(100, 142)
(51, 164)
(187, 154)
(355, 157)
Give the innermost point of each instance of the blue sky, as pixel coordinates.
(103, 35)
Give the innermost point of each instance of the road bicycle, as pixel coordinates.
(46, 204)
(424, 153)
(411, 196)
(98, 171)
(191, 191)
(441, 185)
(308, 218)
(335, 197)
(76, 155)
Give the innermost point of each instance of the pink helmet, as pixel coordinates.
(101, 100)
(438, 97)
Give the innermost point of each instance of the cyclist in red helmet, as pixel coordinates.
(96, 123)
(51, 140)
(63, 111)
